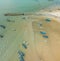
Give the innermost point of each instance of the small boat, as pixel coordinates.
(21, 53)
(13, 14)
(45, 36)
(48, 20)
(8, 20)
(2, 26)
(42, 32)
(24, 45)
(1, 36)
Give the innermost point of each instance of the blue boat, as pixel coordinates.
(42, 32)
(21, 53)
(45, 36)
(21, 58)
(48, 20)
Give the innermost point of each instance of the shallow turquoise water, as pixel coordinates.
(19, 6)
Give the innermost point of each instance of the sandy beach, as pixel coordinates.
(47, 48)
(27, 28)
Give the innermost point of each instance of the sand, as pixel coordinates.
(28, 29)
